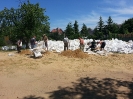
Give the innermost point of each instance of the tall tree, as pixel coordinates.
(99, 29)
(84, 31)
(7, 23)
(26, 20)
(98, 35)
(32, 19)
(109, 24)
(100, 25)
(127, 26)
(95, 33)
(76, 29)
(69, 32)
(115, 28)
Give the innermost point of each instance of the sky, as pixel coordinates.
(88, 12)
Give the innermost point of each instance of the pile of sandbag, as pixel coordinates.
(119, 46)
(114, 45)
(8, 48)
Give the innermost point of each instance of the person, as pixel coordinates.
(66, 43)
(102, 45)
(19, 45)
(45, 39)
(81, 41)
(33, 42)
(98, 46)
(93, 45)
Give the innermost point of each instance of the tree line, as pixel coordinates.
(103, 30)
(30, 19)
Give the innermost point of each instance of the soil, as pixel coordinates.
(66, 75)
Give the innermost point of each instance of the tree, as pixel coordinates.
(100, 25)
(127, 26)
(76, 30)
(109, 24)
(26, 21)
(32, 19)
(95, 33)
(84, 31)
(69, 32)
(44, 29)
(115, 28)
(99, 29)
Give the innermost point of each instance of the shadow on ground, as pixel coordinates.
(92, 88)
(33, 97)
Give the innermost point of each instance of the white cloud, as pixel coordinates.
(116, 2)
(119, 7)
(122, 3)
(128, 10)
(120, 11)
(119, 19)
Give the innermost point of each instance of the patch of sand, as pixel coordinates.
(66, 75)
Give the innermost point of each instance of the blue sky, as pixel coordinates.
(61, 12)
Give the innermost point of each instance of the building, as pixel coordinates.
(57, 30)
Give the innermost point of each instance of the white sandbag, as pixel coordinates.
(91, 52)
(113, 45)
(5, 48)
(103, 53)
(12, 47)
(37, 54)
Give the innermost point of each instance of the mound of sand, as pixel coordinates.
(76, 54)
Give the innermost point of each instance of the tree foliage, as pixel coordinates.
(76, 29)
(99, 29)
(100, 25)
(69, 32)
(84, 31)
(109, 24)
(24, 22)
(127, 26)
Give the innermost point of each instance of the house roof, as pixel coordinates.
(57, 30)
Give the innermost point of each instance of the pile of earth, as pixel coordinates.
(76, 53)
(69, 53)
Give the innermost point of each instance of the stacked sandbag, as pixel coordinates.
(119, 46)
(8, 48)
(114, 45)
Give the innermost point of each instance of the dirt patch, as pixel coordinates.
(25, 52)
(66, 76)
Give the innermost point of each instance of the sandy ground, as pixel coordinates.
(66, 76)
